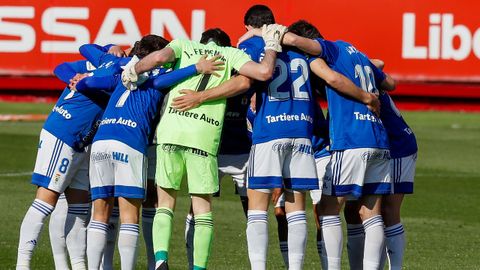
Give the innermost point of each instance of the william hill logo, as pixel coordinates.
(120, 157)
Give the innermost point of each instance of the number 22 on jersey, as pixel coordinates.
(279, 91)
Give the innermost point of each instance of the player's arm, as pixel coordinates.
(92, 84)
(203, 66)
(98, 89)
(307, 45)
(155, 59)
(343, 85)
(260, 71)
(67, 70)
(272, 35)
(388, 83)
(192, 99)
(94, 53)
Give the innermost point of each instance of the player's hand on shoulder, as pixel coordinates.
(75, 79)
(188, 100)
(209, 66)
(272, 34)
(249, 34)
(378, 63)
(373, 104)
(117, 51)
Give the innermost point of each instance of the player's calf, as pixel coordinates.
(297, 228)
(129, 231)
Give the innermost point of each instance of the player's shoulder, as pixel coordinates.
(290, 53)
(348, 47)
(182, 42)
(253, 41)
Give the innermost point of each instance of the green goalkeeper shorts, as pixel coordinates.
(175, 162)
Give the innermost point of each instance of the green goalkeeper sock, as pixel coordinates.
(162, 232)
(202, 240)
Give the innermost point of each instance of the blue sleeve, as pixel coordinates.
(124, 60)
(378, 74)
(67, 70)
(94, 53)
(329, 52)
(92, 84)
(249, 49)
(168, 79)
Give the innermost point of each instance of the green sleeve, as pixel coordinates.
(237, 57)
(177, 46)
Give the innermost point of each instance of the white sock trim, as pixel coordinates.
(42, 207)
(330, 221)
(296, 217)
(129, 228)
(255, 216)
(373, 222)
(98, 226)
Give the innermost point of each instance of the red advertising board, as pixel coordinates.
(420, 40)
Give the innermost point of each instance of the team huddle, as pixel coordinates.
(131, 125)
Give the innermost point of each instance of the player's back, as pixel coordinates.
(129, 115)
(352, 124)
(74, 115)
(189, 52)
(285, 109)
(401, 137)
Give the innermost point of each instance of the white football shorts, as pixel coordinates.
(117, 170)
(236, 167)
(287, 163)
(321, 164)
(357, 172)
(58, 166)
(403, 174)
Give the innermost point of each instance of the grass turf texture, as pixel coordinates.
(441, 219)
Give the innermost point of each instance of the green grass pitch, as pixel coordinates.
(442, 218)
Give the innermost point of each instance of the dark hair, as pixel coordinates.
(258, 15)
(216, 35)
(147, 45)
(304, 29)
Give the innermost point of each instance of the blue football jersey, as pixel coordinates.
(285, 109)
(401, 137)
(73, 120)
(76, 116)
(352, 124)
(130, 115)
(254, 47)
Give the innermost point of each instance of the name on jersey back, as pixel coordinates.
(366, 117)
(288, 117)
(63, 112)
(119, 121)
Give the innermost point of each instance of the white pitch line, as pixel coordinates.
(13, 174)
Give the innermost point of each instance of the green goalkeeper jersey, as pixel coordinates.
(201, 127)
